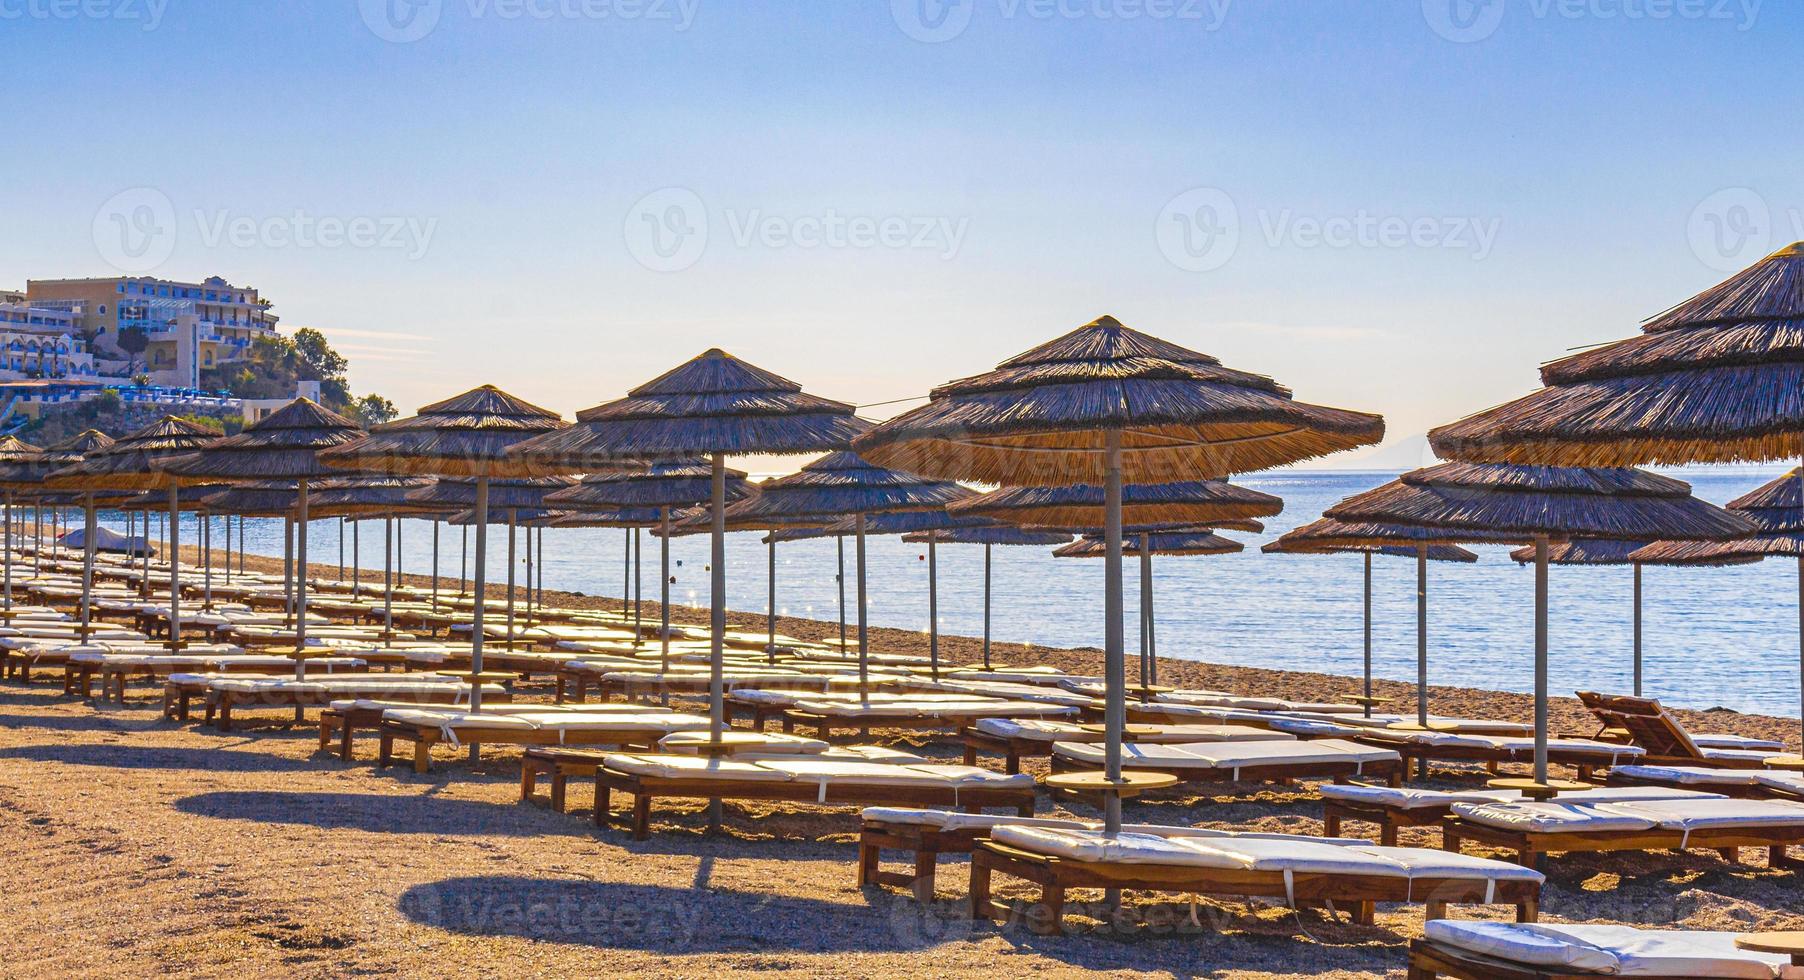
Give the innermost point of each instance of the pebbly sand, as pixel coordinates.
(140, 847)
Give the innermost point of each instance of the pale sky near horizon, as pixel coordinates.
(1396, 207)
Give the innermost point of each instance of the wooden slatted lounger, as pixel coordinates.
(226, 694)
(924, 713)
(561, 764)
(343, 719)
(1585, 756)
(624, 730)
(1647, 723)
(1264, 761)
(1723, 825)
(1300, 871)
(1393, 808)
(1501, 951)
(827, 783)
(1015, 739)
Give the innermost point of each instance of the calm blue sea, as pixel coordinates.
(1726, 636)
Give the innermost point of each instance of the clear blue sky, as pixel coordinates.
(1047, 142)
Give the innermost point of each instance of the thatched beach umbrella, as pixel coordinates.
(498, 498)
(464, 436)
(129, 465)
(713, 405)
(12, 450)
(988, 534)
(1777, 512)
(836, 486)
(27, 470)
(659, 487)
(284, 445)
(1717, 378)
(1108, 405)
(1465, 502)
(1300, 542)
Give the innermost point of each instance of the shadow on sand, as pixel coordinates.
(151, 757)
(380, 813)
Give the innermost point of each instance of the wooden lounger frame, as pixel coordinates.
(643, 789)
(344, 723)
(1531, 845)
(220, 704)
(1359, 893)
(794, 718)
(1648, 724)
(1585, 764)
(423, 737)
(1750, 791)
(1390, 770)
(1389, 819)
(924, 841)
(560, 764)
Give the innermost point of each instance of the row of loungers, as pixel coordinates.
(1265, 760)
(226, 695)
(1060, 855)
(617, 726)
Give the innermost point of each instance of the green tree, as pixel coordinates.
(133, 341)
(373, 409)
(326, 363)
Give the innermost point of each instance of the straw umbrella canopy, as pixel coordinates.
(1464, 502)
(464, 436)
(12, 450)
(129, 465)
(1718, 378)
(989, 534)
(285, 445)
(1299, 542)
(1106, 405)
(659, 487)
(712, 405)
(1180, 541)
(26, 471)
(1777, 511)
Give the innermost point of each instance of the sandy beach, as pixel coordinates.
(142, 846)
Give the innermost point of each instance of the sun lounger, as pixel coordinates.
(804, 780)
(1504, 951)
(344, 718)
(1298, 871)
(1534, 828)
(1393, 808)
(1727, 782)
(925, 713)
(1584, 755)
(115, 669)
(926, 834)
(1268, 760)
(1647, 723)
(426, 728)
(227, 694)
(1016, 738)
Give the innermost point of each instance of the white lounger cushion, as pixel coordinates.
(1733, 755)
(1692, 775)
(1721, 741)
(692, 767)
(449, 721)
(1689, 815)
(877, 773)
(1404, 798)
(1612, 950)
(1552, 816)
(1058, 731)
(929, 709)
(1785, 782)
(772, 743)
(1230, 755)
(650, 720)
